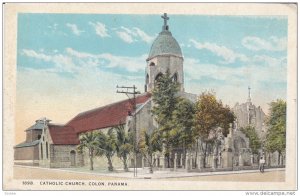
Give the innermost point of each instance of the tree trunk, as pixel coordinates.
(110, 166)
(91, 159)
(196, 154)
(150, 164)
(125, 163)
(91, 163)
(279, 159)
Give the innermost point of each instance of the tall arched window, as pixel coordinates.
(147, 79)
(46, 150)
(42, 151)
(73, 158)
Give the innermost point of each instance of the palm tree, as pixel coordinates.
(150, 143)
(123, 145)
(107, 146)
(88, 141)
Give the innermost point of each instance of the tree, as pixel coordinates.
(254, 140)
(88, 141)
(123, 144)
(165, 99)
(210, 116)
(276, 135)
(149, 144)
(183, 133)
(107, 146)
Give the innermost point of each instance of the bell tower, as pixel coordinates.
(165, 54)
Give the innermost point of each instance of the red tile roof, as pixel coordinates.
(65, 135)
(106, 116)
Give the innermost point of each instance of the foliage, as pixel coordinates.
(123, 144)
(183, 132)
(149, 144)
(254, 140)
(107, 146)
(211, 114)
(88, 141)
(212, 121)
(165, 99)
(276, 135)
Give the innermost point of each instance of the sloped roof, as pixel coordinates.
(39, 124)
(106, 116)
(63, 135)
(27, 144)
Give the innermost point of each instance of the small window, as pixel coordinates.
(39, 137)
(152, 64)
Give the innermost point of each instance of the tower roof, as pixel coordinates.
(165, 43)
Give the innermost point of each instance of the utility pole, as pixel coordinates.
(131, 90)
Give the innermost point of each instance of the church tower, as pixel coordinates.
(165, 54)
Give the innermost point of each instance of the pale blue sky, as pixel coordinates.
(68, 63)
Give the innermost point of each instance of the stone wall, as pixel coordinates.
(32, 135)
(61, 156)
(26, 153)
(100, 163)
(144, 119)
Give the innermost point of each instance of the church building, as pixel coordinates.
(52, 145)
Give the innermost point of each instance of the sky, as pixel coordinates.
(70, 63)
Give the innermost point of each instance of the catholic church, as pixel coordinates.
(52, 145)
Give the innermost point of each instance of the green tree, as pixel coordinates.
(107, 146)
(149, 144)
(276, 135)
(123, 144)
(183, 133)
(210, 116)
(165, 99)
(254, 140)
(88, 141)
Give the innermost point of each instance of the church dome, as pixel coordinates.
(165, 43)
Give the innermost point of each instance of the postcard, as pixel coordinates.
(150, 96)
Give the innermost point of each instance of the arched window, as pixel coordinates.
(46, 150)
(39, 136)
(158, 76)
(152, 64)
(175, 77)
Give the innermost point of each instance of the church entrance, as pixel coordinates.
(73, 158)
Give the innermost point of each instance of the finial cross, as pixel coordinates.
(165, 17)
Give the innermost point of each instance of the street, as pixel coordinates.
(59, 174)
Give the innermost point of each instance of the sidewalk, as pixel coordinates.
(143, 173)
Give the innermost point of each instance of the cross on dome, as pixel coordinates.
(166, 18)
